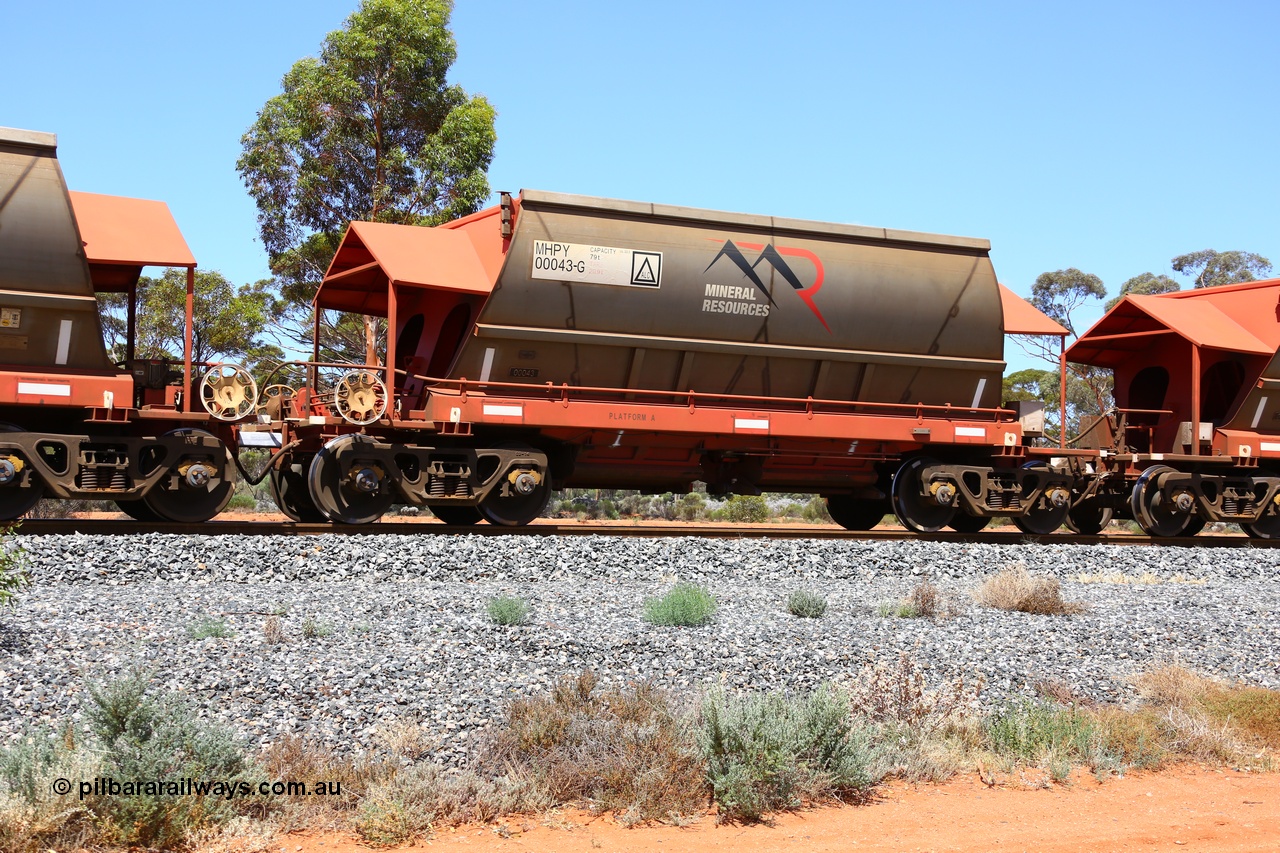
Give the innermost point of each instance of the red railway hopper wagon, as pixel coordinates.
(564, 341)
(1195, 435)
(72, 423)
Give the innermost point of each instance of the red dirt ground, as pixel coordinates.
(1193, 809)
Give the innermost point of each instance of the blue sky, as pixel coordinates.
(1105, 136)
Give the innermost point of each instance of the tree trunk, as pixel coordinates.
(370, 340)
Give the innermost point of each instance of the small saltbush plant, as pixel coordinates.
(771, 752)
(135, 738)
(147, 737)
(508, 610)
(686, 605)
(806, 604)
(314, 628)
(13, 571)
(206, 627)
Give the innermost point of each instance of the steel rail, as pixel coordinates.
(101, 526)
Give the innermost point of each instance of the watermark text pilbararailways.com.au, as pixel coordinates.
(106, 786)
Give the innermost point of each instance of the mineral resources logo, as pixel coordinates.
(729, 299)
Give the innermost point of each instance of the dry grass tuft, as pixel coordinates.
(273, 630)
(1056, 690)
(1017, 589)
(925, 601)
(626, 751)
(1212, 720)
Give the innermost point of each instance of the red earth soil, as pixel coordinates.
(1189, 808)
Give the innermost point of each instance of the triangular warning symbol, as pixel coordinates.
(645, 273)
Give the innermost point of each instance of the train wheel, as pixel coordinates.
(1266, 527)
(1044, 517)
(856, 513)
(459, 515)
(517, 508)
(965, 523)
(289, 490)
(1195, 525)
(914, 510)
(197, 486)
(1088, 519)
(16, 500)
(346, 488)
(1155, 515)
(138, 510)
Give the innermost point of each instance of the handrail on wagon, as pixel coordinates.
(565, 393)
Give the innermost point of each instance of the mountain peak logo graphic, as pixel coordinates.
(775, 256)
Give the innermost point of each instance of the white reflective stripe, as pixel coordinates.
(64, 342)
(972, 432)
(1271, 446)
(750, 423)
(977, 395)
(1257, 416)
(487, 366)
(44, 389)
(315, 419)
(259, 439)
(504, 411)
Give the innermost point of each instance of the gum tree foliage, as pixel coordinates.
(1212, 269)
(369, 130)
(1146, 284)
(230, 322)
(1060, 295)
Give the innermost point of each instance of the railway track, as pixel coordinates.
(110, 526)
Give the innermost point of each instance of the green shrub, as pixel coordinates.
(136, 739)
(809, 605)
(770, 752)
(206, 627)
(686, 605)
(13, 570)
(313, 628)
(242, 501)
(508, 610)
(751, 509)
(1033, 731)
(816, 510)
(146, 738)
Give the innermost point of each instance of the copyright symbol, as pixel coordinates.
(61, 786)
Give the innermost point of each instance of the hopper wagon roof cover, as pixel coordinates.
(375, 254)
(1237, 318)
(129, 231)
